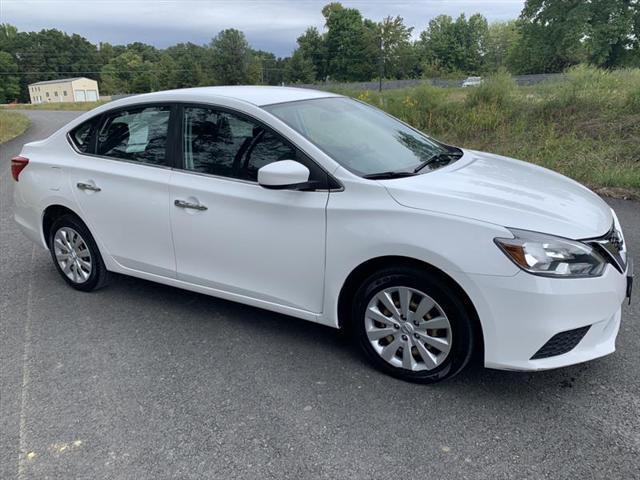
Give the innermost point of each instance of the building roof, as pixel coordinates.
(60, 80)
(256, 94)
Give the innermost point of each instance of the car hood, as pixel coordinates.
(506, 192)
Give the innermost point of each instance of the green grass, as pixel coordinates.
(12, 124)
(586, 127)
(80, 106)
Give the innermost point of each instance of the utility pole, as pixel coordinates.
(381, 60)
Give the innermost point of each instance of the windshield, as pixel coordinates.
(361, 138)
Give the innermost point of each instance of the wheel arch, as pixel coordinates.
(367, 268)
(49, 216)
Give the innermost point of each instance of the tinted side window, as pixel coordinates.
(229, 145)
(213, 141)
(81, 135)
(265, 149)
(138, 135)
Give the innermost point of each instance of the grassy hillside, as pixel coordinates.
(586, 127)
(12, 124)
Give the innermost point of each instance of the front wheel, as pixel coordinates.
(411, 325)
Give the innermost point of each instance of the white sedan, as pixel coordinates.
(323, 208)
(472, 82)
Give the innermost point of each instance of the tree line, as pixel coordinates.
(549, 36)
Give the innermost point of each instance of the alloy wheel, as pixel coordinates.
(408, 329)
(72, 255)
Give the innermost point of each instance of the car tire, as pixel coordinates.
(75, 254)
(433, 354)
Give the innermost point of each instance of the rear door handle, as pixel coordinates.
(88, 186)
(185, 204)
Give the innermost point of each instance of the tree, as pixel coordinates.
(106, 52)
(9, 77)
(48, 54)
(128, 73)
(232, 58)
(9, 80)
(148, 53)
(454, 46)
(474, 36)
(300, 69)
(166, 72)
(350, 56)
(270, 69)
(192, 65)
(7, 34)
(556, 34)
(84, 60)
(391, 40)
(399, 55)
(551, 33)
(313, 47)
(612, 33)
(437, 43)
(502, 37)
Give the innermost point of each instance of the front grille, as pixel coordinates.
(562, 342)
(611, 246)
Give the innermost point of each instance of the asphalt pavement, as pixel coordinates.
(144, 381)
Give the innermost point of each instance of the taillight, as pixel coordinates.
(17, 165)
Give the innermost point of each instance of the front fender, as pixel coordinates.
(457, 246)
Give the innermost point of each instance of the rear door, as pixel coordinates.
(121, 182)
(237, 236)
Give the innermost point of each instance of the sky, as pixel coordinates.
(271, 25)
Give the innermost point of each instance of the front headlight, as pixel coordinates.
(618, 237)
(551, 256)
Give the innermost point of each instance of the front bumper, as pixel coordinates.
(520, 314)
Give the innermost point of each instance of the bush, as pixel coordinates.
(420, 104)
(586, 126)
(634, 101)
(498, 90)
(593, 89)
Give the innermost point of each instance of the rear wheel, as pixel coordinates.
(411, 325)
(76, 255)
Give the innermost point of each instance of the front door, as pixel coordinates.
(234, 235)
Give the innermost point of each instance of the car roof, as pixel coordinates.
(256, 95)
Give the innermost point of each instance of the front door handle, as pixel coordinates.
(88, 186)
(185, 204)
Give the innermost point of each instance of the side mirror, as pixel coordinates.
(285, 174)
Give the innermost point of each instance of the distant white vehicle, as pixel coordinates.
(317, 206)
(472, 82)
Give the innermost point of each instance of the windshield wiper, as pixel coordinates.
(388, 175)
(437, 157)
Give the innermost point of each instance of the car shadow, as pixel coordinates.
(254, 325)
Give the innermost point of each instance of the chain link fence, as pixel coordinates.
(521, 80)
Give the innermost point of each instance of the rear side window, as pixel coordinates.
(81, 135)
(138, 135)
